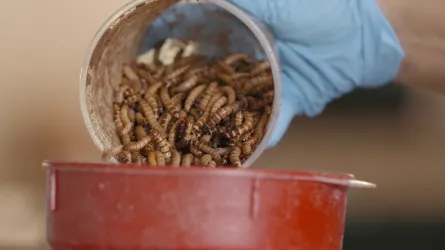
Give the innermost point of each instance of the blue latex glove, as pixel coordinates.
(327, 48)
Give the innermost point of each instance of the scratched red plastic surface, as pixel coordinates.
(100, 206)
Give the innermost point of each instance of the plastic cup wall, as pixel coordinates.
(122, 36)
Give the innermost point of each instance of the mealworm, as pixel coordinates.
(126, 88)
(178, 99)
(188, 128)
(245, 127)
(218, 104)
(200, 72)
(226, 79)
(235, 156)
(164, 120)
(192, 96)
(171, 107)
(160, 158)
(133, 77)
(121, 93)
(225, 160)
(161, 143)
(140, 132)
(161, 106)
(174, 77)
(160, 72)
(128, 125)
(182, 114)
(125, 139)
(116, 107)
(145, 74)
(196, 152)
(190, 111)
(205, 116)
(165, 96)
(255, 104)
(151, 100)
(238, 76)
(151, 157)
(124, 157)
(259, 83)
(180, 130)
(117, 119)
(233, 58)
(216, 141)
(226, 68)
(130, 100)
(245, 137)
(223, 151)
(140, 120)
(176, 61)
(172, 132)
(259, 129)
(196, 161)
(132, 135)
(247, 146)
(269, 96)
(211, 164)
(138, 158)
(153, 89)
(204, 101)
(150, 146)
(131, 115)
(205, 159)
(187, 84)
(144, 86)
(187, 160)
(148, 112)
(176, 158)
(260, 68)
(178, 72)
(226, 111)
(206, 138)
(138, 145)
(195, 114)
(230, 92)
(239, 118)
(207, 149)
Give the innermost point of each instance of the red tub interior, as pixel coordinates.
(110, 206)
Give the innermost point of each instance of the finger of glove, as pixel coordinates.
(306, 21)
(342, 31)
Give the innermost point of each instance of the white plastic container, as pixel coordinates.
(126, 33)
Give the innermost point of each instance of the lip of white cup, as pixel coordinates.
(260, 32)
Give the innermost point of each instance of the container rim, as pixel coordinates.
(339, 179)
(260, 32)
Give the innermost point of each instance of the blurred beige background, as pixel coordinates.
(42, 47)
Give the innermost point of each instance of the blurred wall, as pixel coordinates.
(42, 48)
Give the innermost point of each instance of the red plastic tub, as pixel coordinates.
(110, 206)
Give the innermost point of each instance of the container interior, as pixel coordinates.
(134, 30)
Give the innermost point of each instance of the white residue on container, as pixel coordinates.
(168, 52)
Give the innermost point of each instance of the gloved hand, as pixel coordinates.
(327, 48)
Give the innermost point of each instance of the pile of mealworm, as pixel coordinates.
(192, 111)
